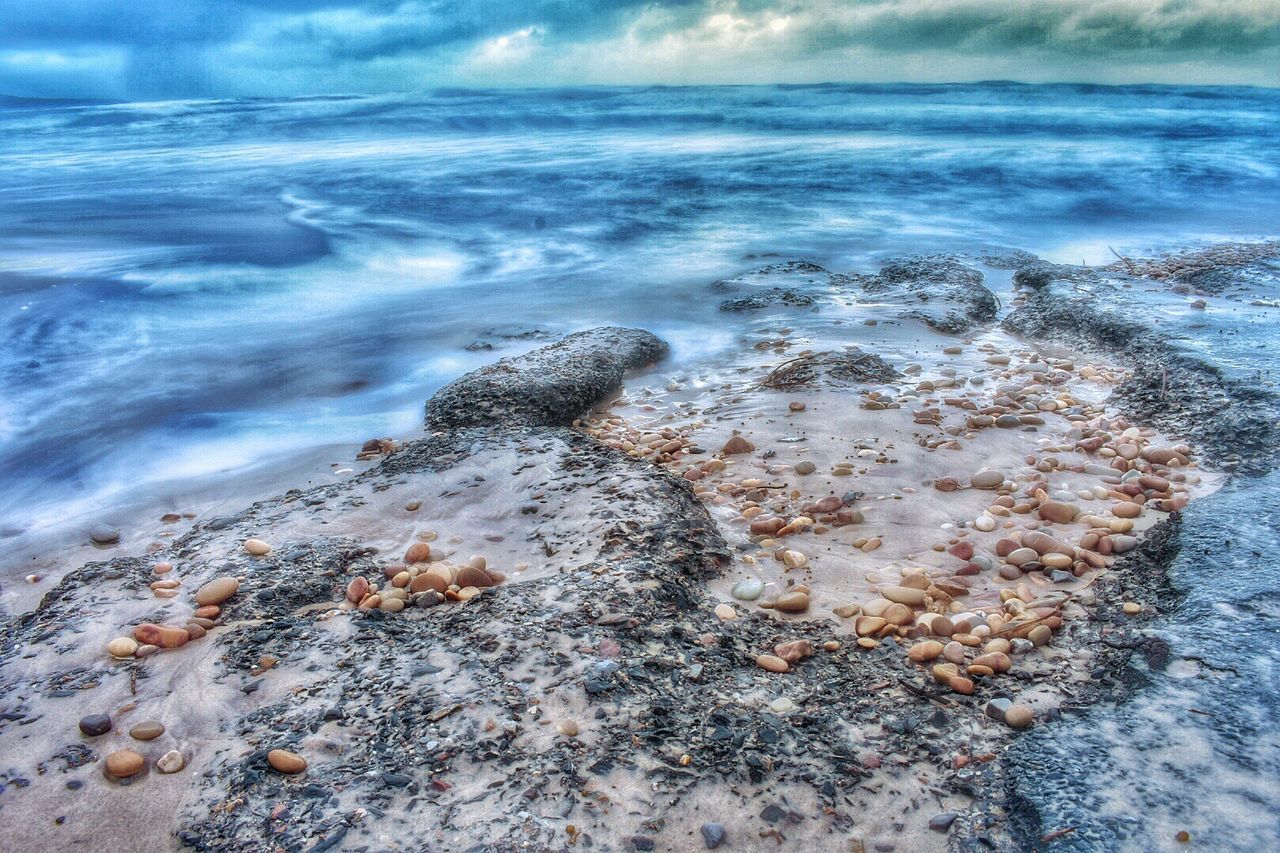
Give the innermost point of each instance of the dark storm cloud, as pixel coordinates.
(144, 48)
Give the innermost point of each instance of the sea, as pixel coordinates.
(196, 296)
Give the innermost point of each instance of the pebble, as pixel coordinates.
(748, 589)
(104, 534)
(725, 612)
(149, 730)
(146, 650)
(996, 708)
(987, 479)
(925, 651)
(95, 724)
(772, 663)
(737, 444)
(794, 651)
(804, 468)
(942, 822)
(217, 590)
(985, 523)
(257, 547)
(792, 602)
(1040, 635)
(796, 406)
(123, 763)
(283, 761)
(122, 647)
(1058, 513)
(1126, 509)
(164, 636)
(171, 762)
(782, 705)
(1018, 717)
(712, 835)
(1132, 608)
(568, 728)
(1020, 556)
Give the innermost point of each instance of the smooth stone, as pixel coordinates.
(794, 651)
(217, 590)
(194, 630)
(358, 588)
(737, 444)
(146, 650)
(1058, 513)
(782, 705)
(149, 730)
(725, 612)
(427, 581)
(1019, 717)
(712, 835)
(996, 708)
(283, 761)
(985, 523)
(104, 534)
(124, 763)
(473, 576)
(903, 595)
(419, 552)
(1021, 556)
(804, 468)
(95, 724)
(164, 636)
(925, 651)
(942, 822)
(772, 663)
(1043, 543)
(257, 547)
(568, 728)
(1120, 543)
(987, 479)
(171, 762)
(1040, 635)
(748, 589)
(1126, 509)
(792, 602)
(954, 652)
(122, 647)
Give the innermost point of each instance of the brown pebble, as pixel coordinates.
(283, 761)
(149, 730)
(217, 591)
(772, 663)
(195, 631)
(1018, 716)
(164, 636)
(171, 762)
(794, 651)
(737, 444)
(419, 552)
(208, 611)
(123, 763)
(925, 651)
(257, 547)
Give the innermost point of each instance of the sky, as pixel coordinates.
(162, 49)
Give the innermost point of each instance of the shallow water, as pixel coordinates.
(189, 288)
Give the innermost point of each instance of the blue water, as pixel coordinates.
(191, 288)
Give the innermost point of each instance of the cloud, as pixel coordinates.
(156, 48)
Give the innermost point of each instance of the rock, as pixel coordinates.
(358, 588)
(1021, 556)
(713, 835)
(828, 504)
(942, 822)
(961, 550)
(865, 626)
(792, 602)
(95, 724)
(766, 526)
(995, 661)
(257, 547)
(925, 651)
(1058, 513)
(1131, 608)
(725, 612)
(146, 651)
(1018, 717)
(568, 728)
(898, 614)
(549, 386)
(748, 589)
(903, 595)
(217, 591)
(1040, 634)
(985, 523)
(428, 581)
(1043, 543)
(418, 552)
(772, 663)
(164, 636)
(802, 468)
(394, 605)
(122, 647)
(794, 651)
(171, 762)
(987, 479)
(1126, 509)
(104, 534)
(149, 730)
(472, 576)
(736, 444)
(124, 763)
(283, 761)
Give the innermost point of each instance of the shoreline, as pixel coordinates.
(620, 639)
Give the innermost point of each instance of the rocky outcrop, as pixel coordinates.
(938, 290)
(547, 387)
